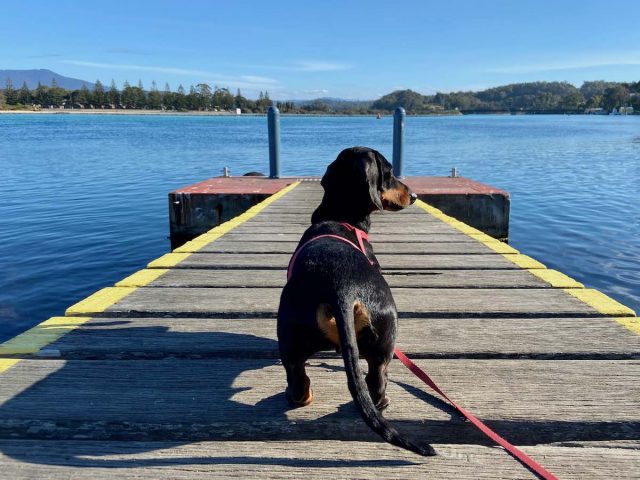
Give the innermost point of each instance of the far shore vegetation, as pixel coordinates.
(595, 97)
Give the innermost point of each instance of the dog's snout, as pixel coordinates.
(413, 197)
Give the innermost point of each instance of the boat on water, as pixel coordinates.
(378, 116)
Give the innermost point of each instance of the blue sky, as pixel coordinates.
(297, 49)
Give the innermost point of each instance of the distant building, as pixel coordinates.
(596, 111)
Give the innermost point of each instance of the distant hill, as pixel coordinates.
(337, 104)
(32, 77)
(530, 97)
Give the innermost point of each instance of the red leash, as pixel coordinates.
(512, 450)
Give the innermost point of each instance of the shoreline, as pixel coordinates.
(192, 113)
(55, 111)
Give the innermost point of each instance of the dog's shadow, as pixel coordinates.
(213, 386)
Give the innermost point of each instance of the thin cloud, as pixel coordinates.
(258, 79)
(46, 55)
(241, 81)
(318, 66)
(317, 91)
(140, 68)
(628, 59)
(307, 66)
(126, 51)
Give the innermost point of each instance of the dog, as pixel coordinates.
(336, 296)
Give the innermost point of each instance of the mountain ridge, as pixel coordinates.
(43, 76)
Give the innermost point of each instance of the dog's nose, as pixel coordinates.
(413, 197)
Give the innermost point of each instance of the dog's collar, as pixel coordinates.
(361, 235)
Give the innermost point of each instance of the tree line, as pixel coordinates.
(201, 97)
(532, 97)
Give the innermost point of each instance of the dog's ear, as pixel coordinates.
(333, 177)
(373, 173)
(355, 177)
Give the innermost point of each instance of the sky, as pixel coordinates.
(344, 49)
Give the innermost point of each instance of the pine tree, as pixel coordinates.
(99, 97)
(126, 97)
(83, 96)
(24, 95)
(167, 97)
(41, 95)
(10, 93)
(155, 97)
(180, 101)
(56, 94)
(113, 95)
(240, 101)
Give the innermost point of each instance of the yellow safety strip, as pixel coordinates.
(594, 298)
(99, 301)
(601, 302)
(36, 338)
(630, 323)
(142, 277)
(556, 279)
(168, 260)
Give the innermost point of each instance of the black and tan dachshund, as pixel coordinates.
(336, 297)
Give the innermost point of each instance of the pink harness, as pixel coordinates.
(360, 235)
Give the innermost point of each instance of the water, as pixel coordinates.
(83, 199)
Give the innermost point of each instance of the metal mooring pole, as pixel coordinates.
(398, 141)
(273, 125)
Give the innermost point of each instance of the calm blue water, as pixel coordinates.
(83, 201)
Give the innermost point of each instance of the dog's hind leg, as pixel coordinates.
(377, 380)
(298, 393)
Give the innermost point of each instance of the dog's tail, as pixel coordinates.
(344, 314)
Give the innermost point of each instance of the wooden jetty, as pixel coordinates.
(173, 372)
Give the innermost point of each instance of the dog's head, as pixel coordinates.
(363, 179)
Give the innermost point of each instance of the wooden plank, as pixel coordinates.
(233, 246)
(375, 238)
(302, 206)
(259, 226)
(540, 338)
(192, 277)
(305, 216)
(252, 228)
(319, 459)
(263, 302)
(421, 229)
(528, 401)
(491, 261)
(376, 225)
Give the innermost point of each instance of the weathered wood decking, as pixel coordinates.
(173, 373)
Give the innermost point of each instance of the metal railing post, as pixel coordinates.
(273, 124)
(398, 141)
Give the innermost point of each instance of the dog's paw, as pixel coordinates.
(383, 404)
(305, 400)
